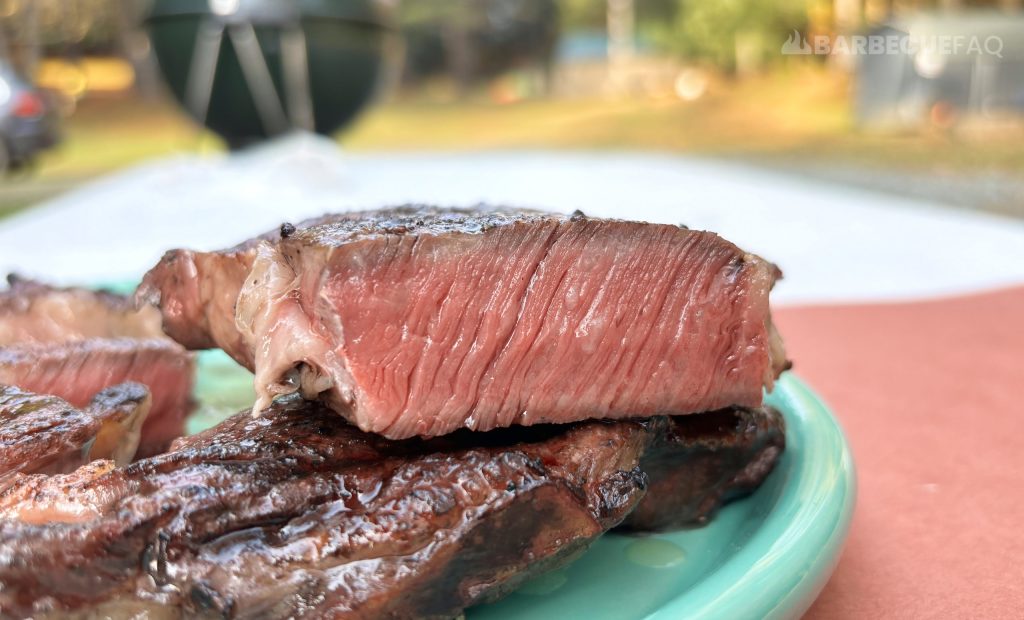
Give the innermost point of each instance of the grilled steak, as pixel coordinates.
(45, 434)
(297, 513)
(697, 463)
(74, 342)
(420, 321)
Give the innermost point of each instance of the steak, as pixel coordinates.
(697, 463)
(74, 342)
(299, 514)
(44, 434)
(419, 320)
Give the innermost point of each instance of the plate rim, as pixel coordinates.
(781, 569)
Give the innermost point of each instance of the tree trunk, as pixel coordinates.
(31, 51)
(136, 50)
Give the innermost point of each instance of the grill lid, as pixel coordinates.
(269, 12)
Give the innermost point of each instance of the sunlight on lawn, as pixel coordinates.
(798, 116)
(750, 115)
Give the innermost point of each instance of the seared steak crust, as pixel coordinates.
(698, 463)
(421, 320)
(299, 514)
(45, 434)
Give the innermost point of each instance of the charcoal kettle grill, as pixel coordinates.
(253, 69)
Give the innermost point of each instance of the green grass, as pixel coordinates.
(105, 135)
(793, 117)
(752, 116)
(801, 115)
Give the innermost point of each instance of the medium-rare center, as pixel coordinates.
(420, 320)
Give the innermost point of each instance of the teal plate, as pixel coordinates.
(766, 556)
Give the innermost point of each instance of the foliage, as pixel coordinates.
(63, 26)
(705, 30)
(702, 29)
(583, 14)
(710, 30)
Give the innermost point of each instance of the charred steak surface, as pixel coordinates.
(698, 463)
(299, 514)
(420, 320)
(45, 434)
(73, 342)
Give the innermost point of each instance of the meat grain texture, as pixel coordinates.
(420, 320)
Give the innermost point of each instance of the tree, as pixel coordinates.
(700, 29)
(710, 30)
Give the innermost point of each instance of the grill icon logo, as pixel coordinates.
(796, 44)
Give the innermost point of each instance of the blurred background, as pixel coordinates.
(88, 87)
(871, 148)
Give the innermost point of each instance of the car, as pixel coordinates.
(28, 120)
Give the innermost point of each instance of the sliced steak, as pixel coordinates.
(35, 313)
(74, 342)
(299, 514)
(420, 321)
(45, 434)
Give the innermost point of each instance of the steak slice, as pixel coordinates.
(74, 342)
(419, 320)
(44, 434)
(299, 514)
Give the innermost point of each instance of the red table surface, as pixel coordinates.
(931, 396)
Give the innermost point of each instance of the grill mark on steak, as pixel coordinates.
(298, 513)
(369, 288)
(72, 343)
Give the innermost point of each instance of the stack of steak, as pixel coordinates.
(450, 402)
(72, 343)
